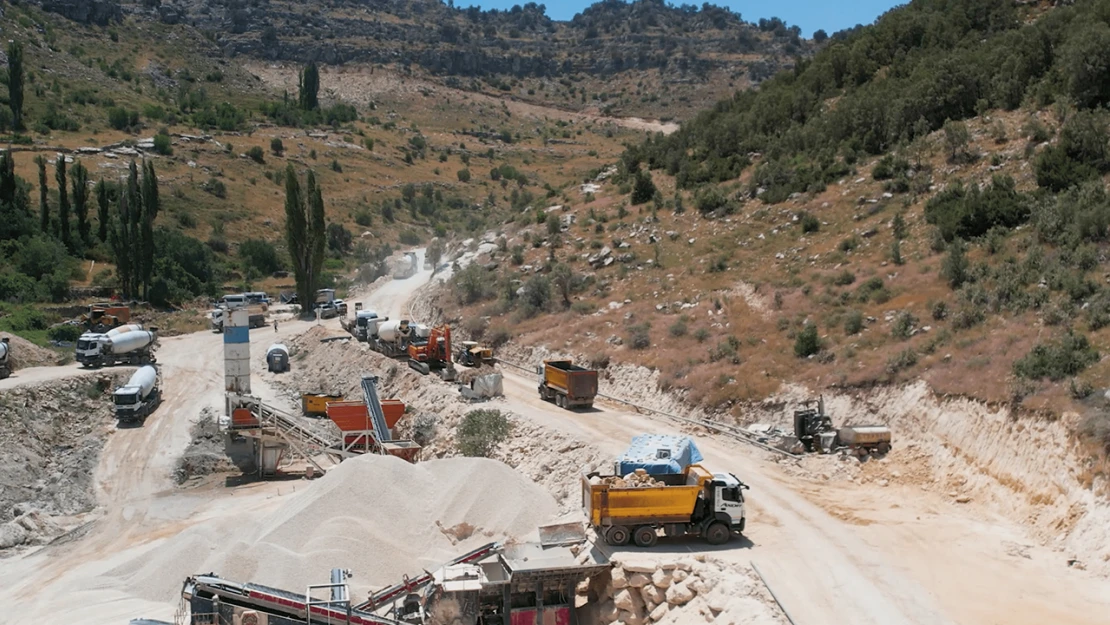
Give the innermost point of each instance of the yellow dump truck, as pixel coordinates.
(694, 502)
(566, 384)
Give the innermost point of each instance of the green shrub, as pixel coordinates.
(901, 361)
(966, 212)
(481, 431)
(1058, 359)
(701, 335)
(727, 350)
(903, 326)
(844, 278)
(463, 175)
(889, 167)
(260, 255)
(853, 323)
(410, 237)
(678, 328)
(66, 333)
(163, 144)
(216, 187)
(122, 119)
(639, 336)
(808, 222)
(276, 146)
(807, 342)
(955, 267)
(256, 154)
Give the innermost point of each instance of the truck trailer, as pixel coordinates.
(123, 345)
(277, 358)
(566, 384)
(694, 502)
(139, 397)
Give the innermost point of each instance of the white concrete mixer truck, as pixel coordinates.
(393, 337)
(139, 397)
(5, 358)
(124, 345)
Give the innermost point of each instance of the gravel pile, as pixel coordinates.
(379, 516)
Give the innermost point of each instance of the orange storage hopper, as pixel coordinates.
(393, 409)
(243, 417)
(349, 416)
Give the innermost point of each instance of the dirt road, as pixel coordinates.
(886, 558)
(850, 554)
(139, 506)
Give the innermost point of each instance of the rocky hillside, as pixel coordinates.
(926, 199)
(645, 57)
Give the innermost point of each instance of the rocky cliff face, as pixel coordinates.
(607, 38)
(99, 12)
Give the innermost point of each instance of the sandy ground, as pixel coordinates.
(846, 553)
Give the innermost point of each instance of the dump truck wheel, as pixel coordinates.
(560, 401)
(717, 534)
(884, 448)
(617, 535)
(645, 536)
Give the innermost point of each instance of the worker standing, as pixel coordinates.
(275, 325)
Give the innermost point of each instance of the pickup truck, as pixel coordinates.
(566, 384)
(694, 502)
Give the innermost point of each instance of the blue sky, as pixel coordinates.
(810, 15)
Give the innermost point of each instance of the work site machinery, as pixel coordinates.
(692, 502)
(471, 354)
(815, 432)
(566, 384)
(103, 317)
(433, 352)
(135, 400)
(126, 344)
(813, 428)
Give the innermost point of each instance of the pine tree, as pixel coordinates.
(305, 233)
(79, 180)
(103, 204)
(15, 83)
(309, 88)
(134, 232)
(63, 202)
(151, 205)
(15, 213)
(44, 204)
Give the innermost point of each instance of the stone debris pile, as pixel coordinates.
(637, 479)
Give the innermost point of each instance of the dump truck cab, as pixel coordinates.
(726, 493)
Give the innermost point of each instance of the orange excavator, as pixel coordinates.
(433, 353)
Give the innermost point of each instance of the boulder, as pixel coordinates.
(653, 594)
(661, 579)
(659, 612)
(638, 580)
(629, 600)
(680, 575)
(679, 594)
(619, 578)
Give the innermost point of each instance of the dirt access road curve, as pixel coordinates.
(140, 507)
(886, 556)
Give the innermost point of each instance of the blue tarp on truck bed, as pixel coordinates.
(658, 454)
